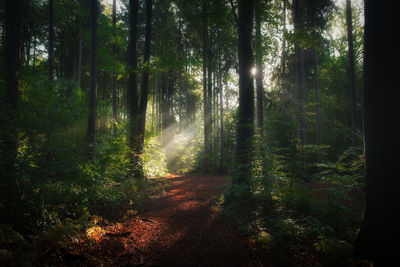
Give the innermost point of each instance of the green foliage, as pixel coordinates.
(155, 163)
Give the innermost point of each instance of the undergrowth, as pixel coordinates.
(313, 219)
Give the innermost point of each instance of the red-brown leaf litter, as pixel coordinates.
(180, 229)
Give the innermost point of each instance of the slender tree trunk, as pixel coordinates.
(209, 110)
(9, 144)
(113, 78)
(351, 73)
(245, 127)
(303, 97)
(145, 79)
(317, 106)
(133, 106)
(51, 44)
(205, 94)
(80, 59)
(34, 52)
(221, 109)
(153, 106)
(28, 49)
(259, 73)
(299, 86)
(164, 108)
(283, 64)
(379, 234)
(91, 123)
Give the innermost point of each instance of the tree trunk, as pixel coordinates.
(51, 44)
(145, 79)
(221, 109)
(351, 73)
(91, 124)
(80, 59)
(283, 64)
(164, 108)
(299, 85)
(205, 94)
(133, 107)
(9, 144)
(209, 110)
(317, 107)
(259, 73)
(245, 127)
(379, 234)
(113, 79)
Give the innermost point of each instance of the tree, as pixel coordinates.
(300, 73)
(379, 233)
(133, 108)
(245, 127)
(145, 79)
(351, 72)
(317, 106)
(259, 70)
(91, 123)
(207, 115)
(11, 98)
(51, 44)
(113, 78)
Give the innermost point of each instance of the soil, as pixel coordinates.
(181, 228)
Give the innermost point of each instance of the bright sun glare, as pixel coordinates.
(253, 71)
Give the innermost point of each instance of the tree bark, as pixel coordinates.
(259, 73)
(379, 233)
(133, 107)
(80, 58)
(145, 78)
(317, 107)
(9, 132)
(164, 108)
(283, 64)
(351, 73)
(113, 79)
(205, 92)
(245, 126)
(51, 44)
(91, 123)
(299, 85)
(221, 108)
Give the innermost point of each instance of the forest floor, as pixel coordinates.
(181, 228)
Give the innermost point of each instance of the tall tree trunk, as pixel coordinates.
(245, 127)
(317, 106)
(221, 108)
(284, 36)
(113, 79)
(133, 106)
(379, 235)
(259, 73)
(145, 79)
(351, 72)
(205, 94)
(164, 108)
(80, 58)
(34, 52)
(303, 97)
(91, 123)
(209, 110)
(51, 44)
(299, 86)
(11, 196)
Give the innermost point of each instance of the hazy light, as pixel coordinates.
(253, 71)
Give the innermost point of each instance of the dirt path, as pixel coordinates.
(181, 229)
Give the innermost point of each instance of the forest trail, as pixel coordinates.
(180, 229)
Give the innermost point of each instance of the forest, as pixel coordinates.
(198, 133)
